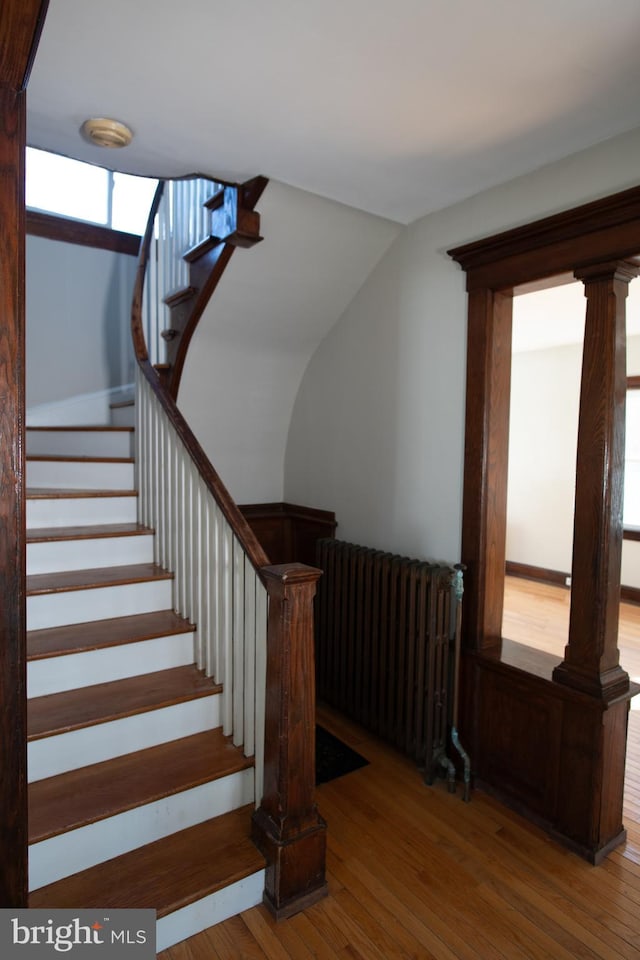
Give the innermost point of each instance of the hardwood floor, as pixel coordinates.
(537, 614)
(416, 873)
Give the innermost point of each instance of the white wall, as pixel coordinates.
(543, 433)
(543, 430)
(78, 306)
(273, 306)
(377, 431)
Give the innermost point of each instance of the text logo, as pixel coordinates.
(79, 934)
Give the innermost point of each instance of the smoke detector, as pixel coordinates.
(103, 132)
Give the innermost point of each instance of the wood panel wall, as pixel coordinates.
(288, 532)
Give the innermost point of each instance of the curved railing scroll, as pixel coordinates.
(254, 622)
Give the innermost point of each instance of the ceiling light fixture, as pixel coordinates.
(103, 132)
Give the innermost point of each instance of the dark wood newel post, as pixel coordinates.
(287, 827)
(591, 661)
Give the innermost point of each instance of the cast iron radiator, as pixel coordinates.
(387, 644)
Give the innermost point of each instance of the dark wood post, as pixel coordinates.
(287, 827)
(591, 661)
(486, 467)
(20, 25)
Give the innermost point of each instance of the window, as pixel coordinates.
(632, 455)
(82, 191)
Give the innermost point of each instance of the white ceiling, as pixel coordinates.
(397, 107)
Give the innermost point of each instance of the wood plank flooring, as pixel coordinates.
(414, 872)
(537, 614)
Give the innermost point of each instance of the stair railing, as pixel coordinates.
(254, 622)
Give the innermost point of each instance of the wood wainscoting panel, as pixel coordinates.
(520, 746)
(288, 532)
(532, 742)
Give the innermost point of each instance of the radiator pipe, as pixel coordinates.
(451, 773)
(466, 796)
(457, 583)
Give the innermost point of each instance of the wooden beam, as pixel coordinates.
(21, 23)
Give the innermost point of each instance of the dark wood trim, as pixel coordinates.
(592, 661)
(21, 25)
(630, 594)
(631, 533)
(558, 579)
(287, 827)
(633, 383)
(486, 467)
(288, 532)
(607, 228)
(85, 234)
(13, 715)
(540, 574)
(580, 796)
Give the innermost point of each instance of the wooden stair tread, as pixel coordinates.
(64, 458)
(98, 428)
(60, 712)
(40, 583)
(165, 875)
(116, 404)
(47, 534)
(53, 493)
(101, 790)
(96, 634)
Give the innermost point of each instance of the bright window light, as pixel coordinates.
(132, 198)
(67, 187)
(81, 191)
(632, 461)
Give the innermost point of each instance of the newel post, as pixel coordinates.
(287, 827)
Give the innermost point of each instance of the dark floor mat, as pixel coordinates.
(333, 757)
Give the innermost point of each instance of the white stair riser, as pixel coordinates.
(80, 475)
(50, 756)
(68, 672)
(80, 511)
(80, 443)
(54, 556)
(63, 855)
(219, 906)
(99, 603)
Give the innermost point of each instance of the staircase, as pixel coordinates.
(136, 798)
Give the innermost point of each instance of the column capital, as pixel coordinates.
(625, 270)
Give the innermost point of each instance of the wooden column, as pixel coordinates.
(591, 661)
(486, 467)
(20, 26)
(287, 827)
(13, 715)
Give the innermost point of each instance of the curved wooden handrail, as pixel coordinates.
(241, 528)
(137, 330)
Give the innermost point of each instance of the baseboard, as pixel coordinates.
(541, 574)
(88, 409)
(557, 578)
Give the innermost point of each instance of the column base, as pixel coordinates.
(295, 872)
(606, 686)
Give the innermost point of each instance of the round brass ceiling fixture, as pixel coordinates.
(103, 132)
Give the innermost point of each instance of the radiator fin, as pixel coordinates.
(385, 630)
